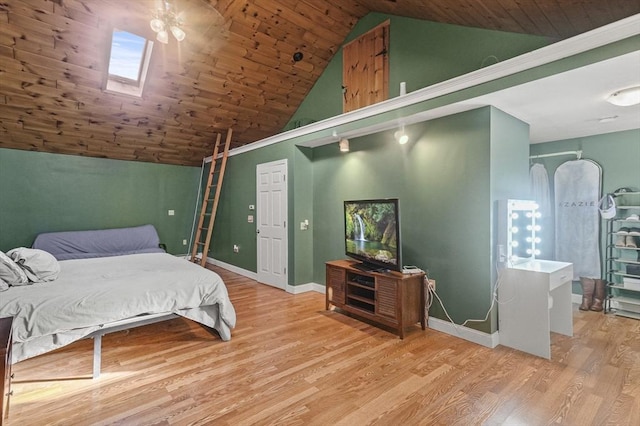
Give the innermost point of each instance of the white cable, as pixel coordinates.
(494, 300)
(195, 210)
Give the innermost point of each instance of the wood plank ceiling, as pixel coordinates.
(234, 69)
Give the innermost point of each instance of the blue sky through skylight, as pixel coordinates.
(126, 54)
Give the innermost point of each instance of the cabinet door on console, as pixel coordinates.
(336, 282)
(387, 297)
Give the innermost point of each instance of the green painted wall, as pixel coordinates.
(421, 53)
(617, 153)
(44, 192)
(239, 191)
(443, 179)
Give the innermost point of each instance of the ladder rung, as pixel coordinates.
(216, 169)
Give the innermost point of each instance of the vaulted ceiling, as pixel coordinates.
(235, 69)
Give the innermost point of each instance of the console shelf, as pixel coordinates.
(390, 299)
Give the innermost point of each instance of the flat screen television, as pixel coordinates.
(372, 233)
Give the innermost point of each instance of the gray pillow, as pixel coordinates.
(10, 272)
(3, 285)
(38, 265)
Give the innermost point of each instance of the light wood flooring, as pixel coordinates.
(292, 363)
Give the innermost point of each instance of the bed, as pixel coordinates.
(104, 285)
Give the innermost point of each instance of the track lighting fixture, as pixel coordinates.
(401, 136)
(344, 145)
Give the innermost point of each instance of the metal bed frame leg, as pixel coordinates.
(97, 355)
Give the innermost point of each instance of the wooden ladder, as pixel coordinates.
(210, 205)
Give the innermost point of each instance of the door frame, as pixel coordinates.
(285, 208)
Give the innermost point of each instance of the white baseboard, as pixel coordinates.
(233, 268)
(466, 333)
(303, 288)
(576, 298)
(293, 289)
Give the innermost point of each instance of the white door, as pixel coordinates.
(271, 222)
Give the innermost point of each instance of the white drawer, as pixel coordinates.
(559, 277)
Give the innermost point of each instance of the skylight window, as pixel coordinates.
(128, 63)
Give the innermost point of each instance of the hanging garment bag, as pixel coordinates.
(577, 191)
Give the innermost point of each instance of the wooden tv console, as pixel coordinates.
(386, 298)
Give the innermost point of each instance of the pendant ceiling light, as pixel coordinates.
(166, 19)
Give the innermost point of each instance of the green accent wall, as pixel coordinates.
(421, 53)
(44, 192)
(447, 179)
(617, 153)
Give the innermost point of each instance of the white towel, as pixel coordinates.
(577, 191)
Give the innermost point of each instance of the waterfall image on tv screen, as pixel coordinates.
(372, 228)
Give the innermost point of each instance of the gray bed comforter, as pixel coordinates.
(91, 293)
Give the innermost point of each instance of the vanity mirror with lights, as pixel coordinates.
(534, 295)
(522, 231)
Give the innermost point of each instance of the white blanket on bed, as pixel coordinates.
(90, 293)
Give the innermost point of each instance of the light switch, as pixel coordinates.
(172, 212)
(250, 218)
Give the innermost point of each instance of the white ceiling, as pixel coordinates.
(571, 104)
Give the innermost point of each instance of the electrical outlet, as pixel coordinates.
(432, 285)
(171, 212)
(502, 254)
(236, 248)
(184, 242)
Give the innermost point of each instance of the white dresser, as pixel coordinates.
(535, 300)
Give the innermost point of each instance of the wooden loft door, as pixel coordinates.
(365, 73)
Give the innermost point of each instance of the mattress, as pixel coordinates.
(91, 293)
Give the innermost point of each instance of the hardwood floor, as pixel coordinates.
(291, 362)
